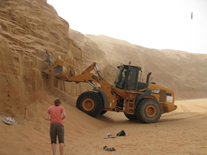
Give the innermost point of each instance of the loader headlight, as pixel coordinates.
(156, 91)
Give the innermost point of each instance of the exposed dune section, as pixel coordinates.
(27, 29)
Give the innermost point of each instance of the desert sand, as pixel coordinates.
(183, 131)
(28, 28)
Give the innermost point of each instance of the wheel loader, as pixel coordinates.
(138, 100)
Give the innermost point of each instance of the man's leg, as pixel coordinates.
(53, 148)
(53, 135)
(61, 137)
(61, 146)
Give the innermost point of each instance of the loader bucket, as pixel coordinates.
(62, 69)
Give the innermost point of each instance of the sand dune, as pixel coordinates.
(183, 131)
(28, 28)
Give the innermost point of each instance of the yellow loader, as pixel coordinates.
(143, 101)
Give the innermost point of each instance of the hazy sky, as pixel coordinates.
(159, 24)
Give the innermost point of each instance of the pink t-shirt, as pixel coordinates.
(55, 114)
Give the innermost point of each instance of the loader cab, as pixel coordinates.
(127, 77)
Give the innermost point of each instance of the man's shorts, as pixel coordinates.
(56, 129)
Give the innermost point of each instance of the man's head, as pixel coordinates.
(57, 102)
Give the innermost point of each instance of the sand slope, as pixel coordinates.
(183, 131)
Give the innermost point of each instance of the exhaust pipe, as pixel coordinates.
(148, 76)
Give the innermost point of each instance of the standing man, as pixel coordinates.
(48, 57)
(56, 114)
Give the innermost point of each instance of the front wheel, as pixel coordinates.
(148, 110)
(90, 102)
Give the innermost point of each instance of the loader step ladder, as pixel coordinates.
(129, 103)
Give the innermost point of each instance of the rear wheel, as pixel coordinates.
(90, 102)
(103, 112)
(148, 110)
(130, 117)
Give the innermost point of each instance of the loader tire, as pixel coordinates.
(148, 110)
(103, 112)
(90, 102)
(130, 117)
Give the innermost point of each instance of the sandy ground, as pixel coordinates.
(182, 132)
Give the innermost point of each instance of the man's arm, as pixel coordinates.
(47, 117)
(64, 115)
